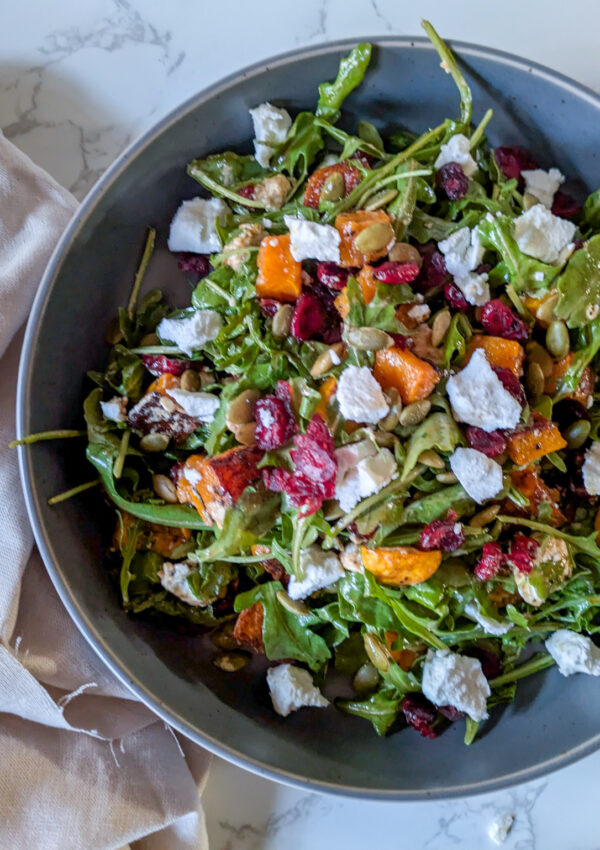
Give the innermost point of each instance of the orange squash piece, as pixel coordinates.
(505, 353)
(586, 385)
(412, 377)
(368, 284)
(326, 391)
(535, 440)
(529, 483)
(163, 383)
(312, 194)
(248, 627)
(400, 565)
(404, 658)
(279, 274)
(162, 539)
(349, 225)
(533, 304)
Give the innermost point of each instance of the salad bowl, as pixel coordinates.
(89, 277)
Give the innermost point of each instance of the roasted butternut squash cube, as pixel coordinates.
(412, 377)
(279, 274)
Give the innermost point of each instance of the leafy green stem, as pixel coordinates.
(139, 275)
(46, 435)
(74, 491)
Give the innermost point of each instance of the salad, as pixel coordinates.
(369, 448)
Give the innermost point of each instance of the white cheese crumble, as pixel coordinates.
(544, 236)
(191, 332)
(457, 680)
(359, 396)
(463, 252)
(363, 470)
(173, 578)
(574, 653)
(490, 626)
(479, 398)
(479, 475)
(292, 688)
(543, 184)
(312, 241)
(500, 827)
(198, 405)
(194, 226)
(115, 409)
(273, 191)
(271, 126)
(319, 569)
(457, 149)
(591, 470)
(420, 312)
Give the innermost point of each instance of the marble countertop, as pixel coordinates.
(78, 81)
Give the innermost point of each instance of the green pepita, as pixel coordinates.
(403, 252)
(485, 516)
(282, 321)
(154, 442)
(165, 488)
(446, 478)
(366, 678)
(577, 433)
(557, 339)
(374, 238)
(431, 459)
(440, 326)
(231, 662)
(377, 652)
(190, 381)
(545, 312)
(223, 638)
(380, 199)
(534, 380)
(149, 339)
(329, 358)
(544, 406)
(367, 339)
(415, 412)
(334, 187)
(537, 354)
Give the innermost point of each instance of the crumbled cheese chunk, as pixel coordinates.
(543, 184)
(457, 680)
(363, 469)
(574, 653)
(267, 223)
(479, 475)
(198, 405)
(273, 191)
(457, 149)
(479, 398)
(490, 626)
(191, 332)
(292, 688)
(173, 578)
(249, 235)
(271, 126)
(115, 408)
(359, 396)
(463, 252)
(500, 827)
(420, 312)
(591, 470)
(312, 241)
(194, 226)
(544, 236)
(319, 569)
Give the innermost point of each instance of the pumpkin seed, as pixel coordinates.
(544, 406)
(384, 439)
(367, 339)
(377, 652)
(113, 334)
(294, 606)
(557, 339)
(231, 662)
(366, 678)
(402, 252)
(223, 637)
(334, 187)
(440, 326)
(534, 380)
(484, 517)
(207, 378)
(431, 459)
(190, 381)
(446, 478)
(380, 199)
(545, 312)
(154, 442)
(245, 433)
(169, 405)
(241, 409)
(529, 201)
(538, 354)
(415, 412)
(577, 433)
(282, 321)
(165, 488)
(327, 359)
(149, 339)
(389, 422)
(374, 238)
(501, 458)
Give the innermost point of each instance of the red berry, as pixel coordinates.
(455, 298)
(420, 714)
(489, 443)
(274, 424)
(450, 713)
(522, 552)
(453, 180)
(512, 160)
(445, 534)
(565, 206)
(401, 340)
(433, 271)
(491, 666)
(332, 275)
(490, 563)
(391, 272)
(511, 383)
(499, 320)
(158, 364)
(247, 191)
(315, 317)
(197, 263)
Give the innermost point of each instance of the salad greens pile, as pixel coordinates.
(419, 566)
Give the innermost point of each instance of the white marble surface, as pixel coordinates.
(78, 80)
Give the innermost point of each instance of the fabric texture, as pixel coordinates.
(84, 765)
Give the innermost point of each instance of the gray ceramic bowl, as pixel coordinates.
(553, 721)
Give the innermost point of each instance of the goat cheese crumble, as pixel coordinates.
(363, 470)
(191, 332)
(463, 252)
(360, 397)
(479, 398)
(574, 653)
(319, 569)
(174, 578)
(479, 475)
(194, 226)
(457, 680)
(115, 409)
(591, 470)
(292, 688)
(271, 126)
(544, 236)
(457, 149)
(543, 184)
(198, 405)
(489, 625)
(312, 241)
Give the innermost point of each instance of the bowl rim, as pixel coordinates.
(81, 618)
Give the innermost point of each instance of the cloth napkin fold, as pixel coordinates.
(84, 765)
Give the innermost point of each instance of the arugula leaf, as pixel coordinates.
(302, 144)
(411, 622)
(582, 356)
(231, 169)
(380, 312)
(459, 333)
(450, 65)
(253, 515)
(125, 373)
(591, 211)
(440, 431)
(356, 605)
(209, 582)
(351, 72)
(381, 708)
(579, 286)
(525, 273)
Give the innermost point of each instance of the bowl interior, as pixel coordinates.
(551, 721)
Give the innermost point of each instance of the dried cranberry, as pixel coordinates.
(315, 317)
(391, 272)
(420, 714)
(275, 478)
(175, 472)
(402, 341)
(268, 306)
(450, 713)
(158, 364)
(364, 158)
(455, 298)
(565, 206)
(197, 263)
(522, 552)
(247, 191)
(274, 424)
(511, 383)
(332, 275)
(433, 270)
(453, 180)
(491, 666)
(445, 534)
(353, 530)
(499, 320)
(489, 443)
(512, 160)
(490, 563)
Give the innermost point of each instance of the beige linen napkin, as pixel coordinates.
(83, 765)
